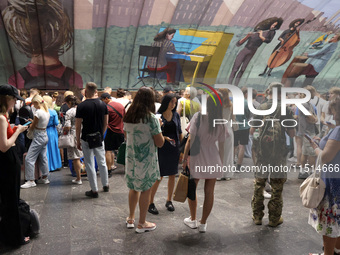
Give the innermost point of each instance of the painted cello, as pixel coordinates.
(284, 52)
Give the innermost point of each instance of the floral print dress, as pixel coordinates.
(326, 217)
(141, 162)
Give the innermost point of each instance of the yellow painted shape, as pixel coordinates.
(217, 59)
(214, 49)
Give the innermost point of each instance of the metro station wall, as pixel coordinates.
(107, 53)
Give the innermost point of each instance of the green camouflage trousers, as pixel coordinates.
(275, 204)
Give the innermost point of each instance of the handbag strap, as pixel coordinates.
(115, 111)
(184, 107)
(318, 166)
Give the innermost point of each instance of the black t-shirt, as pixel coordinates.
(62, 113)
(92, 112)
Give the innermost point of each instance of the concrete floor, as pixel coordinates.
(74, 224)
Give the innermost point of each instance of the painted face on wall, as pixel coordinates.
(170, 36)
(273, 26)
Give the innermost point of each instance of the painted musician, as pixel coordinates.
(264, 32)
(293, 27)
(319, 59)
(163, 40)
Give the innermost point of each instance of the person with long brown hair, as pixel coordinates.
(11, 231)
(226, 148)
(143, 135)
(163, 40)
(204, 129)
(70, 127)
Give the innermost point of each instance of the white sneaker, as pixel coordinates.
(267, 195)
(190, 223)
(77, 182)
(202, 228)
(28, 184)
(43, 181)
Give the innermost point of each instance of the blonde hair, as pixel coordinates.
(48, 100)
(38, 99)
(335, 90)
(67, 93)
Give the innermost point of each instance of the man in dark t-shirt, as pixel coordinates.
(93, 114)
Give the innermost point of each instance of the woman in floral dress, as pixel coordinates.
(143, 135)
(326, 217)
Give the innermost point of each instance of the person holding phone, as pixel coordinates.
(168, 155)
(325, 218)
(11, 232)
(38, 147)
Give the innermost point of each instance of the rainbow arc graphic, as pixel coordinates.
(209, 93)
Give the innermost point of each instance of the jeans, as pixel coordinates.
(89, 165)
(37, 150)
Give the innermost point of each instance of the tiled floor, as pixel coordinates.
(74, 224)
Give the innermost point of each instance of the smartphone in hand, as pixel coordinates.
(172, 142)
(309, 137)
(27, 123)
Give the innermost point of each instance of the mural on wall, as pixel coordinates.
(62, 44)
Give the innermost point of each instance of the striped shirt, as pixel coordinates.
(166, 46)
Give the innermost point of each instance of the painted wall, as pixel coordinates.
(106, 34)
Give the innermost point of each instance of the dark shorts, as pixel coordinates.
(241, 137)
(113, 140)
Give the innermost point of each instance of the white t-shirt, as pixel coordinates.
(123, 101)
(328, 117)
(319, 104)
(43, 117)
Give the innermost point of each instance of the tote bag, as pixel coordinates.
(181, 189)
(312, 189)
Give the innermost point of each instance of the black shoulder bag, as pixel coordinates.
(195, 146)
(95, 139)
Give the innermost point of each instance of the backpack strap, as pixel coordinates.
(127, 104)
(115, 110)
(268, 123)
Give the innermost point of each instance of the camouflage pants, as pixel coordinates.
(275, 204)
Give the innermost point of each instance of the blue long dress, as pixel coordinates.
(53, 153)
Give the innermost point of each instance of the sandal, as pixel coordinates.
(130, 223)
(147, 226)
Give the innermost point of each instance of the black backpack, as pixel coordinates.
(29, 219)
(25, 112)
(46, 81)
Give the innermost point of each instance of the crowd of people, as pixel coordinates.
(153, 126)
